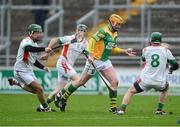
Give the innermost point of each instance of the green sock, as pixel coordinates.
(68, 92)
(49, 100)
(160, 106)
(123, 107)
(113, 98)
(45, 105)
(63, 91)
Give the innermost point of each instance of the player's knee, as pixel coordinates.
(115, 82)
(165, 88)
(81, 83)
(132, 90)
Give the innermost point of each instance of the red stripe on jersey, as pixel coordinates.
(65, 66)
(26, 56)
(65, 49)
(144, 64)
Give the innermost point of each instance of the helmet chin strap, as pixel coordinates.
(35, 40)
(113, 30)
(79, 37)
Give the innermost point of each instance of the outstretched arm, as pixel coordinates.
(37, 49)
(40, 66)
(128, 51)
(53, 42)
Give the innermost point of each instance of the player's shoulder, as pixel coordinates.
(26, 40)
(69, 36)
(103, 29)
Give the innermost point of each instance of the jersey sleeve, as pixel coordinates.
(170, 58)
(99, 35)
(65, 39)
(169, 55)
(25, 43)
(143, 55)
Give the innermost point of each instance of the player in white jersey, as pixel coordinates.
(72, 49)
(153, 75)
(23, 69)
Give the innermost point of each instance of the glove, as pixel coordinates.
(46, 69)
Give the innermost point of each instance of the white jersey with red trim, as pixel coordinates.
(72, 51)
(154, 71)
(25, 60)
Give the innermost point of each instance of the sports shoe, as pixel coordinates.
(113, 110)
(48, 109)
(13, 81)
(160, 112)
(120, 112)
(59, 102)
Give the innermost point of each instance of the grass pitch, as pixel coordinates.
(86, 110)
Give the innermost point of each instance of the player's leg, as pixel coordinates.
(67, 91)
(56, 90)
(128, 95)
(162, 98)
(14, 82)
(63, 69)
(109, 73)
(61, 84)
(30, 84)
(73, 86)
(19, 81)
(36, 87)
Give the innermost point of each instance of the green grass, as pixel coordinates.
(86, 110)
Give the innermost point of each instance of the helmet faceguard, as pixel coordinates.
(34, 28)
(115, 22)
(156, 37)
(81, 31)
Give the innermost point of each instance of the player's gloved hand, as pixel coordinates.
(170, 69)
(48, 50)
(44, 56)
(130, 52)
(90, 58)
(46, 69)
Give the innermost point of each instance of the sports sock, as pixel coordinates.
(123, 107)
(49, 100)
(68, 92)
(113, 98)
(160, 106)
(63, 91)
(45, 105)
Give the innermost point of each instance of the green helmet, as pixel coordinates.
(34, 28)
(81, 27)
(156, 37)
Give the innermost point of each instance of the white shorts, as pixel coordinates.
(64, 69)
(24, 78)
(100, 65)
(145, 87)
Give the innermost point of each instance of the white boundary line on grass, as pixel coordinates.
(129, 117)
